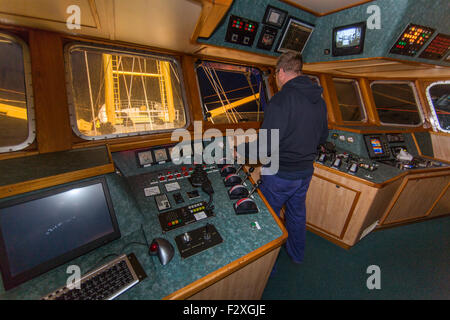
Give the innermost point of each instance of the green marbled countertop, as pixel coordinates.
(239, 238)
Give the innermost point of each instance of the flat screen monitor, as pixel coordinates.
(42, 231)
(349, 40)
(295, 36)
(376, 146)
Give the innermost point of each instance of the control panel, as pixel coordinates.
(241, 31)
(381, 155)
(412, 39)
(438, 48)
(184, 196)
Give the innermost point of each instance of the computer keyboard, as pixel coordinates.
(104, 283)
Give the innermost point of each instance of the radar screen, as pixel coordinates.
(412, 40)
(438, 48)
(295, 36)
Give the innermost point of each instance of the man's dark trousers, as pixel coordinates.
(291, 193)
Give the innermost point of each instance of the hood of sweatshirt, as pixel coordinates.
(310, 89)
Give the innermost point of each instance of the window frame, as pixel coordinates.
(434, 118)
(416, 97)
(28, 95)
(125, 52)
(365, 118)
(265, 79)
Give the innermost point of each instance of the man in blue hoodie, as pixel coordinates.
(299, 112)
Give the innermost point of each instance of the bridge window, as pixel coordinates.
(17, 128)
(115, 93)
(349, 99)
(438, 95)
(396, 103)
(231, 93)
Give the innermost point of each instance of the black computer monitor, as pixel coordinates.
(349, 39)
(42, 231)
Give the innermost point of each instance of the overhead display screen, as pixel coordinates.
(438, 48)
(348, 40)
(348, 37)
(295, 36)
(412, 39)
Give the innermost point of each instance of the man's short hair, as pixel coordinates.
(290, 61)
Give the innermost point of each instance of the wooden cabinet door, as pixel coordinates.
(417, 196)
(329, 206)
(442, 206)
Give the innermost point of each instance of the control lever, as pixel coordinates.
(258, 183)
(248, 174)
(239, 168)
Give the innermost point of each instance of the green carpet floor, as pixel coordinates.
(414, 262)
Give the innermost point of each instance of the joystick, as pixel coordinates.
(199, 176)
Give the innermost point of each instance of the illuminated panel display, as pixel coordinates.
(376, 146)
(295, 36)
(412, 40)
(437, 49)
(241, 31)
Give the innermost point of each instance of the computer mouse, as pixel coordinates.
(163, 249)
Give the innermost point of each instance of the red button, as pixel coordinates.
(153, 247)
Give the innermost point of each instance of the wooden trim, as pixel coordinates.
(369, 103)
(211, 15)
(192, 89)
(53, 130)
(437, 200)
(319, 14)
(329, 95)
(416, 143)
(422, 219)
(27, 186)
(326, 236)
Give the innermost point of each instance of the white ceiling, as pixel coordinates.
(166, 24)
(324, 6)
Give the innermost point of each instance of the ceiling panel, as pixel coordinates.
(324, 6)
(41, 13)
(158, 23)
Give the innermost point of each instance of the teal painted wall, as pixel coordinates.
(254, 10)
(395, 16)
